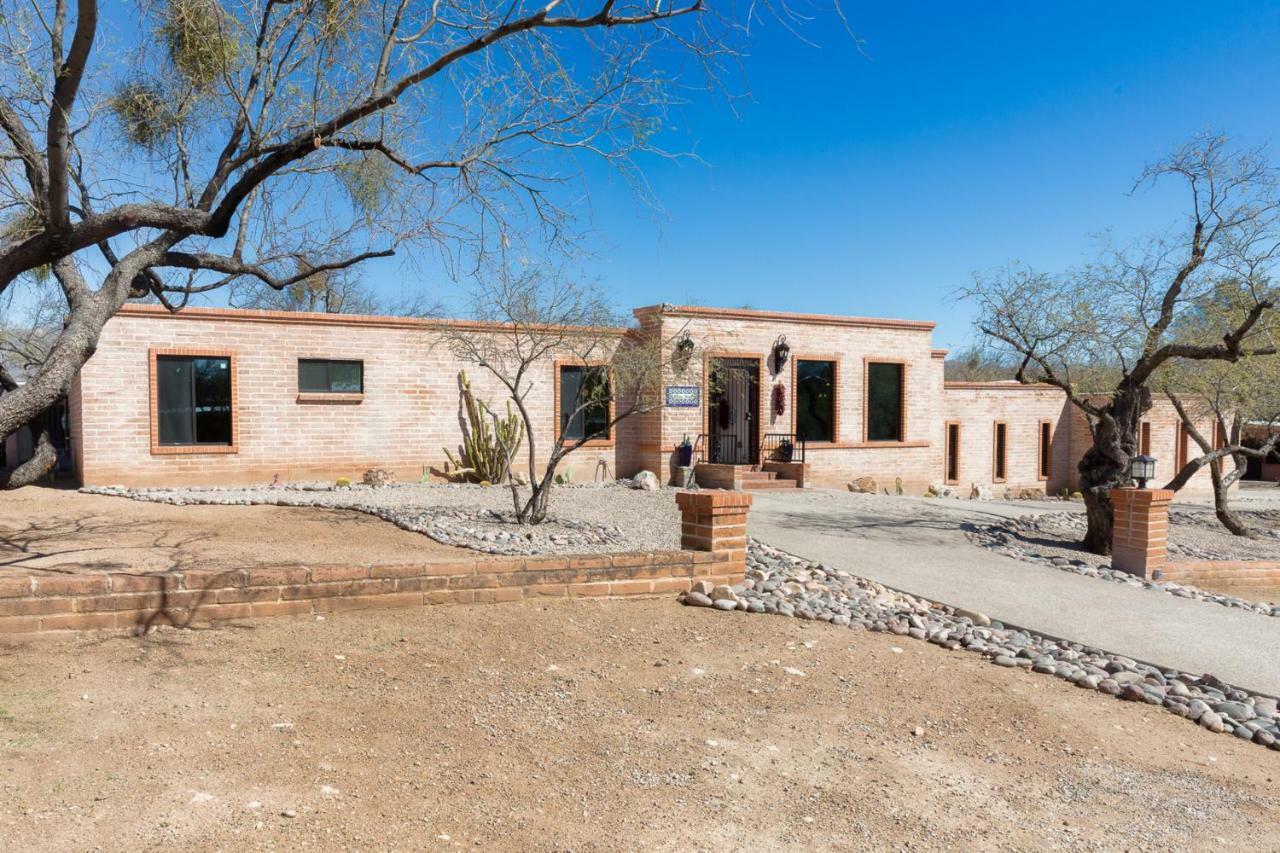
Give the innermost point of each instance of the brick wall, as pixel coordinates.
(978, 406)
(408, 412)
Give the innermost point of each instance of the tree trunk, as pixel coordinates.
(1105, 465)
(1221, 503)
(40, 463)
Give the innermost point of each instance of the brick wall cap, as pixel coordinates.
(712, 499)
(1140, 496)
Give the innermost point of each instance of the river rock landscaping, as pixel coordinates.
(588, 518)
(1053, 540)
(781, 584)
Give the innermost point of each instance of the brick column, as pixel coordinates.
(715, 520)
(1140, 537)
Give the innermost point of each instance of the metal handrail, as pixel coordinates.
(773, 447)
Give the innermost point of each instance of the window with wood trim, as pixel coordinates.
(1046, 449)
(584, 403)
(952, 473)
(1144, 438)
(193, 400)
(885, 401)
(815, 400)
(1182, 448)
(1000, 452)
(329, 376)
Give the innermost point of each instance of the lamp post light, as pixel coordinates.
(1142, 469)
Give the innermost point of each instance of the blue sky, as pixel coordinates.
(961, 139)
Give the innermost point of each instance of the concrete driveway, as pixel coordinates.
(916, 545)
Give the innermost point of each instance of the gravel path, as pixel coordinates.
(586, 518)
(780, 584)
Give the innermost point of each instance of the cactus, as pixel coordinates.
(483, 455)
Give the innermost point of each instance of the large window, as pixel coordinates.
(816, 400)
(322, 376)
(884, 401)
(1000, 452)
(193, 400)
(584, 403)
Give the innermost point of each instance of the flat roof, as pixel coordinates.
(753, 314)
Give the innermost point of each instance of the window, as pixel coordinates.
(322, 376)
(884, 401)
(1182, 448)
(1000, 450)
(1046, 447)
(584, 403)
(816, 400)
(1144, 441)
(953, 453)
(193, 400)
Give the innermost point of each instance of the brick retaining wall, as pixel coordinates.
(64, 602)
(1236, 573)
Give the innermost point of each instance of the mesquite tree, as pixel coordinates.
(164, 149)
(1239, 401)
(1103, 333)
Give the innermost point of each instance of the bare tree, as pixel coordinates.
(536, 319)
(978, 363)
(342, 291)
(1239, 400)
(32, 317)
(221, 141)
(1102, 333)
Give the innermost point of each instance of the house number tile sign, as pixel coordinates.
(684, 396)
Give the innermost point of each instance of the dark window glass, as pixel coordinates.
(321, 376)
(584, 402)
(1001, 444)
(953, 453)
(884, 402)
(816, 400)
(1046, 439)
(193, 403)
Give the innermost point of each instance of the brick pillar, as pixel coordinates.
(716, 520)
(1140, 538)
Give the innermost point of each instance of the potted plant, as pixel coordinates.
(684, 452)
(786, 450)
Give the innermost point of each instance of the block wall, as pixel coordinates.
(408, 412)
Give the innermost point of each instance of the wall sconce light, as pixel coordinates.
(1142, 469)
(781, 351)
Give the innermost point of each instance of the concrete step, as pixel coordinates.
(761, 485)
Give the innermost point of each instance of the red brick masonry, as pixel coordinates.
(1140, 537)
(1243, 574)
(714, 543)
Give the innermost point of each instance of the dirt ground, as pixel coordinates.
(62, 530)
(592, 725)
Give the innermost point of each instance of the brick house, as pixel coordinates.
(220, 396)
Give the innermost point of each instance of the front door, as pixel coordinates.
(734, 397)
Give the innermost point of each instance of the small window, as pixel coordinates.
(584, 403)
(1046, 449)
(816, 400)
(1000, 450)
(953, 453)
(1144, 442)
(193, 400)
(323, 376)
(884, 401)
(1182, 449)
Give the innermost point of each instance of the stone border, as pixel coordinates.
(1172, 579)
(39, 603)
(780, 583)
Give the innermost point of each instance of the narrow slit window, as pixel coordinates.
(1182, 448)
(1144, 443)
(1046, 445)
(1000, 449)
(953, 453)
